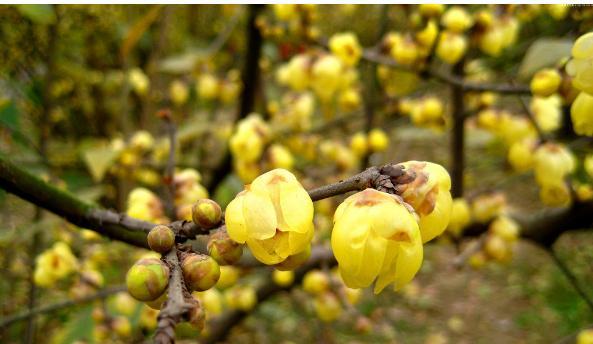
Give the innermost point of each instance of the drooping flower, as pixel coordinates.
(376, 239)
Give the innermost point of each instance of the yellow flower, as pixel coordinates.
(485, 207)
(280, 157)
(207, 87)
(359, 144)
(326, 77)
(273, 215)
(346, 47)
(54, 264)
(428, 35)
(296, 73)
(431, 10)
(451, 47)
(552, 163)
(581, 65)
(547, 112)
(283, 278)
(581, 113)
(585, 337)
(457, 19)
(327, 306)
(375, 237)
(139, 81)
(460, 216)
(520, 155)
(429, 195)
(404, 51)
(555, 194)
(506, 228)
(378, 140)
(178, 92)
(545, 82)
(285, 12)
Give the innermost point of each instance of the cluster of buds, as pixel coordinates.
(499, 243)
(143, 204)
(293, 19)
(211, 88)
(552, 164)
(424, 112)
(247, 146)
(54, 264)
(188, 190)
(134, 157)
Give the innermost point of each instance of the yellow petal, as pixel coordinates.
(409, 261)
(435, 223)
(260, 215)
(234, 219)
(296, 208)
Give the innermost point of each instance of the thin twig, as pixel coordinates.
(169, 174)
(571, 277)
(60, 305)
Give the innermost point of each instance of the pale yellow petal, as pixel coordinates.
(234, 219)
(260, 215)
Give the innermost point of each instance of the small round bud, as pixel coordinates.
(161, 239)
(294, 261)
(315, 282)
(121, 326)
(200, 271)
(147, 279)
(206, 213)
(223, 249)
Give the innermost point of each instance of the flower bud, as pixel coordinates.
(457, 19)
(460, 216)
(506, 228)
(147, 279)
(497, 248)
(545, 82)
(363, 325)
(283, 278)
(580, 113)
(121, 326)
(315, 282)
(200, 271)
(585, 336)
(327, 307)
(378, 140)
(294, 261)
(161, 239)
(228, 277)
(124, 303)
(223, 249)
(206, 213)
(486, 207)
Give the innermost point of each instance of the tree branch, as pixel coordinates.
(61, 304)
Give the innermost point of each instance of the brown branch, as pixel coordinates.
(571, 278)
(445, 77)
(169, 174)
(60, 305)
(457, 145)
(250, 75)
(179, 301)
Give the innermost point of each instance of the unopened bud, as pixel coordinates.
(223, 249)
(200, 271)
(161, 239)
(147, 279)
(206, 213)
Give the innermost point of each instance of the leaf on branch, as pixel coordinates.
(39, 13)
(98, 160)
(542, 53)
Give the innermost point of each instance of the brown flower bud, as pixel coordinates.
(206, 213)
(223, 249)
(200, 271)
(161, 239)
(197, 317)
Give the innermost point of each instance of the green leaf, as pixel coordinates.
(39, 13)
(542, 53)
(98, 160)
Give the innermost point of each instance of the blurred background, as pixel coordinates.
(81, 90)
